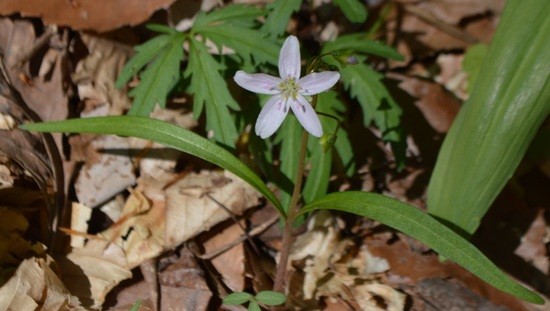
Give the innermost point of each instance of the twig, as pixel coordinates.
(254, 232)
(289, 222)
(441, 25)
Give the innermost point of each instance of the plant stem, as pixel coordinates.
(291, 215)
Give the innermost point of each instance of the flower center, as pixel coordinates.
(289, 88)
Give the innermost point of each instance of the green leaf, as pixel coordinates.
(136, 305)
(145, 53)
(237, 298)
(359, 42)
(270, 298)
(473, 61)
(164, 133)
(317, 180)
(489, 137)
(289, 135)
(160, 28)
(210, 89)
(354, 10)
(229, 14)
(279, 15)
(421, 226)
(328, 102)
(246, 42)
(366, 86)
(159, 78)
(253, 306)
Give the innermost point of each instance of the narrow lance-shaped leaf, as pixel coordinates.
(354, 10)
(317, 180)
(421, 226)
(289, 136)
(328, 102)
(508, 103)
(163, 133)
(230, 13)
(209, 87)
(359, 43)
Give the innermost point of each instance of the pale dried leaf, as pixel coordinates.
(36, 287)
(533, 244)
(95, 76)
(378, 297)
(80, 215)
(92, 271)
(108, 174)
(139, 231)
(189, 211)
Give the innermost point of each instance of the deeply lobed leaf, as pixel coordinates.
(279, 15)
(210, 89)
(365, 85)
(159, 78)
(246, 42)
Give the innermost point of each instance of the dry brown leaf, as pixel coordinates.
(436, 104)
(453, 11)
(183, 286)
(92, 271)
(36, 287)
(13, 247)
(190, 211)
(98, 15)
(230, 264)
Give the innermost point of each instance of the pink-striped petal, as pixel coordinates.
(258, 82)
(307, 116)
(317, 82)
(289, 59)
(271, 117)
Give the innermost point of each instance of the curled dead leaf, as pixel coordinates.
(89, 15)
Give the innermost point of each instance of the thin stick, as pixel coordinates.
(446, 28)
(289, 222)
(254, 232)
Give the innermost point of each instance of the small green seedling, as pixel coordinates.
(264, 298)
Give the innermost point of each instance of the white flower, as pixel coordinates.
(288, 91)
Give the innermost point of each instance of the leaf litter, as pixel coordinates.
(149, 219)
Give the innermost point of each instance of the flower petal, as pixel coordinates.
(258, 82)
(271, 117)
(289, 59)
(307, 116)
(318, 82)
